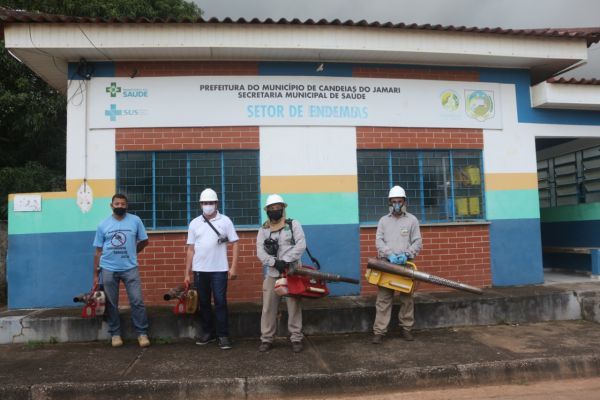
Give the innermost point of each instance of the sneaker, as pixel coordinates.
(297, 347)
(377, 339)
(407, 335)
(205, 339)
(116, 341)
(224, 343)
(265, 346)
(143, 341)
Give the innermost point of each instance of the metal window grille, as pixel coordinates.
(570, 179)
(440, 186)
(164, 187)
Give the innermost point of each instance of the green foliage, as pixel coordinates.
(109, 8)
(33, 115)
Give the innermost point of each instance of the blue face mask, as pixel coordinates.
(397, 207)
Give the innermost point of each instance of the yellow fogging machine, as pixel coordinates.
(401, 278)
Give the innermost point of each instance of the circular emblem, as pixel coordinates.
(118, 239)
(450, 100)
(479, 105)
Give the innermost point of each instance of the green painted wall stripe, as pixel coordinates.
(512, 204)
(580, 212)
(320, 208)
(58, 215)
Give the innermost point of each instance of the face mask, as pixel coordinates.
(275, 215)
(120, 211)
(398, 208)
(208, 209)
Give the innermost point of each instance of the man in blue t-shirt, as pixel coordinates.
(118, 240)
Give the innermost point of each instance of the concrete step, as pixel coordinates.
(332, 315)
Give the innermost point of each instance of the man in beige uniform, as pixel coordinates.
(278, 249)
(398, 239)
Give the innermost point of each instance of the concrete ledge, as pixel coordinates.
(268, 387)
(325, 316)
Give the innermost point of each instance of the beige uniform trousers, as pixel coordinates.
(383, 307)
(268, 319)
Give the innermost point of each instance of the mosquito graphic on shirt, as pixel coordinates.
(118, 239)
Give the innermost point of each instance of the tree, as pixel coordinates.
(33, 114)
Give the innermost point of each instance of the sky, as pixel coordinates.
(519, 14)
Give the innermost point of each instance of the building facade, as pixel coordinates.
(328, 115)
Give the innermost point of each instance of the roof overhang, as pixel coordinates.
(565, 96)
(46, 48)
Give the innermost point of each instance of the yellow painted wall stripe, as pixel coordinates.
(309, 184)
(511, 181)
(100, 188)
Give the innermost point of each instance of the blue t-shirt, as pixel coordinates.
(118, 240)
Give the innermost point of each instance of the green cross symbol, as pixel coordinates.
(113, 89)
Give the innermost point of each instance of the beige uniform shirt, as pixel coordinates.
(288, 252)
(398, 235)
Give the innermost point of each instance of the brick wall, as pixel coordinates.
(460, 253)
(197, 138)
(374, 137)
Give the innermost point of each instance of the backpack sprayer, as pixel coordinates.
(187, 299)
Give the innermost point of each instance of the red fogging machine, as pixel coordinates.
(94, 302)
(187, 299)
(307, 281)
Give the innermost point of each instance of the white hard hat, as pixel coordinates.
(208, 195)
(275, 199)
(396, 191)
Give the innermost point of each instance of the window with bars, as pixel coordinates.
(441, 186)
(163, 188)
(570, 179)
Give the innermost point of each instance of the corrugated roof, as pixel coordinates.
(592, 35)
(574, 81)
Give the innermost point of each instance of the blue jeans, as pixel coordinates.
(133, 286)
(213, 284)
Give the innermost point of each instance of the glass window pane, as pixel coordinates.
(373, 184)
(242, 192)
(468, 188)
(171, 189)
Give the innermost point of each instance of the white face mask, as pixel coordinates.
(208, 209)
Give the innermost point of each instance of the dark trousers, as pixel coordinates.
(213, 284)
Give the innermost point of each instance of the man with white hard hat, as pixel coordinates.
(206, 256)
(398, 239)
(280, 244)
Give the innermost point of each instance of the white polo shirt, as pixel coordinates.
(209, 254)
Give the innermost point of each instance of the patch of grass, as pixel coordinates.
(34, 344)
(163, 340)
(38, 344)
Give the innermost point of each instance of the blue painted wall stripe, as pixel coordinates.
(337, 247)
(49, 269)
(516, 252)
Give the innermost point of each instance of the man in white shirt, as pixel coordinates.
(206, 256)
